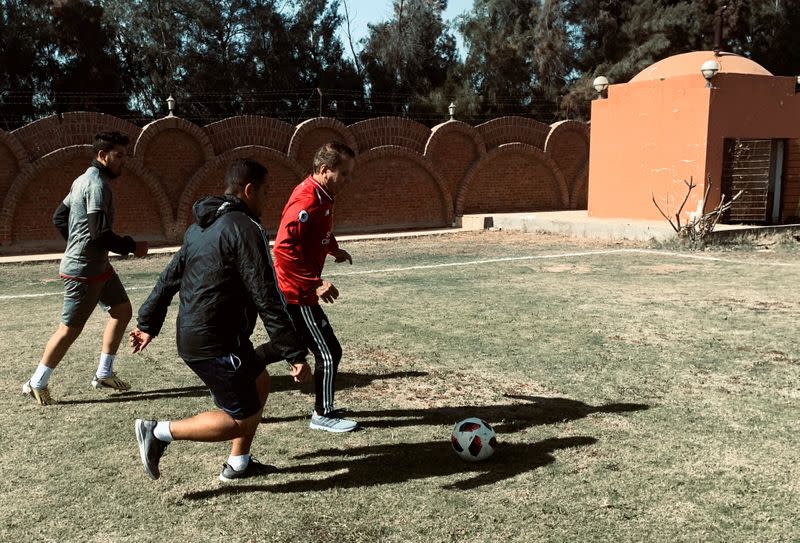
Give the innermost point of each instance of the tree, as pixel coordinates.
(408, 57)
(500, 37)
(26, 54)
(89, 75)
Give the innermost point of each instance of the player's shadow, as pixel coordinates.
(344, 380)
(372, 465)
(141, 395)
(505, 418)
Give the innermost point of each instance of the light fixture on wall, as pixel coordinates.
(170, 105)
(600, 84)
(452, 109)
(709, 69)
(797, 85)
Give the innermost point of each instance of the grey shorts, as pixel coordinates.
(80, 299)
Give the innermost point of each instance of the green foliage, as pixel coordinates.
(268, 57)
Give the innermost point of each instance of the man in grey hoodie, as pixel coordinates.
(85, 219)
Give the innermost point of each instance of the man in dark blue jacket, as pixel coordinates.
(226, 280)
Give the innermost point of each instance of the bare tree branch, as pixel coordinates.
(350, 39)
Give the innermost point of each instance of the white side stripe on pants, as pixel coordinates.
(327, 358)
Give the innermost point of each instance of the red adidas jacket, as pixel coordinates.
(304, 240)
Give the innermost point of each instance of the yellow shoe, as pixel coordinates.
(111, 381)
(41, 395)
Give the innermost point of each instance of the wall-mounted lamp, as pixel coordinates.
(452, 109)
(600, 84)
(797, 85)
(170, 105)
(709, 69)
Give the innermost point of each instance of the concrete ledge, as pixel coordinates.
(571, 223)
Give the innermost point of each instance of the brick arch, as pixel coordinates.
(131, 219)
(245, 130)
(44, 136)
(513, 130)
(579, 197)
(153, 129)
(13, 161)
(284, 174)
(377, 199)
(394, 131)
(508, 177)
(173, 149)
(454, 147)
(313, 133)
(567, 145)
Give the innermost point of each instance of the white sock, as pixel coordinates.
(161, 431)
(239, 462)
(106, 366)
(41, 376)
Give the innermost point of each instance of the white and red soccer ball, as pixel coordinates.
(473, 439)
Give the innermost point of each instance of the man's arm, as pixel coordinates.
(255, 268)
(61, 220)
(102, 236)
(153, 311)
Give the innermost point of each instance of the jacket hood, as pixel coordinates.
(209, 209)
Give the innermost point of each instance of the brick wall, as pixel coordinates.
(791, 182)
(407, 175)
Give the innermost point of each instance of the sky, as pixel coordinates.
(363, 12)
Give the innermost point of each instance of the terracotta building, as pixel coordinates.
(738, 126)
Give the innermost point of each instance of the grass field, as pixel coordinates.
(638, 396)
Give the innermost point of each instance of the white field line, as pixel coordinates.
(488, 261)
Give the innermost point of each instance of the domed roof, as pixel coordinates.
(689, 64)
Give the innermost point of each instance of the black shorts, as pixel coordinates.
(232, 382)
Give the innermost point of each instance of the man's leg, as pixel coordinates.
(114, 300)
(327, 354)
(79, 302)
(235, 397)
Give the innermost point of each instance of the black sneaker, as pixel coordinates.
(254, 469)
(150, 447)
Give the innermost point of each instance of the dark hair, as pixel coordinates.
(244, 171)
(331, 155)
(105, 141)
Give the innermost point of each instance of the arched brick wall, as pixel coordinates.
(512, 178)
(394, 131)
(12, 161)
(379, 198)
(173, 149)
(77, 128)
(406, 176)
(283, 175)
(36, 194)
(454, 147)
(312, 134)
(249, 130)
(513, 130)
(567, 145)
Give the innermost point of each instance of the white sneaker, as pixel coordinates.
(331, 423)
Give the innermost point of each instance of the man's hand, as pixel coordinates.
(301, 372)
(327, 292)
(139, 340)
(340, 255)
(141, 249)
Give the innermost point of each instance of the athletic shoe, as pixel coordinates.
(112, 381)
(331, 423)
(150, 447)
(41, 395)
(254, 469)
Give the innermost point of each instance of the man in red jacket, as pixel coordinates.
(305, 238)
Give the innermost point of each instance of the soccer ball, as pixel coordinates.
(473, 439)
